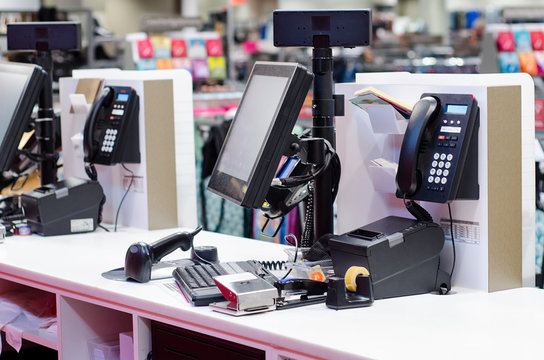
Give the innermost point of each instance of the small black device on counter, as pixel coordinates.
(402, 256)
(140, 257)
(65, 207)
(338, 297)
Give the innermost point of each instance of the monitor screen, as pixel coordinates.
(239, 156)
(21, 85)
(259, 133)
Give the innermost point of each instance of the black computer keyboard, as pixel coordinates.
(197, 284)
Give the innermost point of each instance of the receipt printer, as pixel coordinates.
(65, 207)
(402, 256)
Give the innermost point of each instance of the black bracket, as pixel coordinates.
(338, 297)
(338, 105)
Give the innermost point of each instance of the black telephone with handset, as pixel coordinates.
(111, 133)
(438, 160)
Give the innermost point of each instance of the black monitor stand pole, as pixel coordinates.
(43, 37)
(325, 106)
(45, 124)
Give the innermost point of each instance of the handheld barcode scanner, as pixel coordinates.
(140, 256)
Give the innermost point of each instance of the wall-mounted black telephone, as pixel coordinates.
(111, 133)
(438, 160)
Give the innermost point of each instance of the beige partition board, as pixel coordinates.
(504, 187)
(160, 153)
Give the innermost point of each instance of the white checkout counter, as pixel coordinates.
(465, 324)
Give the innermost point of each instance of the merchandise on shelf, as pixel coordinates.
(179, 48)
(200, 53)
(537, 39)
(506, 41)
(539, 58)
(519, 47)
(508, 62)
(523, 41)
(145, 49)
(527, 63)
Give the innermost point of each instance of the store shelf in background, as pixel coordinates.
(519, 48)
(201, 53)
(102, 49)
(210, 108)
(523, 13)
(516, 47)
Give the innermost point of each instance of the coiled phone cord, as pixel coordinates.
(306, 240)
(452, 242)
(417, 210)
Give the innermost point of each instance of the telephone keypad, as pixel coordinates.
(438, 174)
(109, 140)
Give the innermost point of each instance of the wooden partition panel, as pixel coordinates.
(504, 187)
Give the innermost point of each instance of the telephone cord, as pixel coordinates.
(452, 243)
(124, 196)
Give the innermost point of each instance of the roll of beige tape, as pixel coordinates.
(351, 275)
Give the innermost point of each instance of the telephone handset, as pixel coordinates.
(408, 178)
(438, 161)
(111, 133)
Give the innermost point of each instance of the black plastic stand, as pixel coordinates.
(339, 298)
(325, 106)
(45, 123)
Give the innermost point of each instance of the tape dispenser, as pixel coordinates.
(353, 290)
